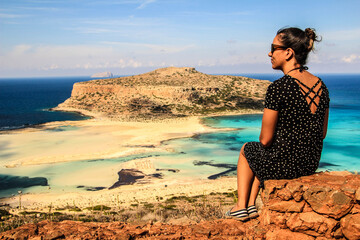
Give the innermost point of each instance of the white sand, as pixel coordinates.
(93, 139)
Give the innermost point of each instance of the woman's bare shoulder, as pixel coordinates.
(306, 78)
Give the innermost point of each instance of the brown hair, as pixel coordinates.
(302, 42)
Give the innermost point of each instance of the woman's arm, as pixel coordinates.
(268, 126)
(326, 119)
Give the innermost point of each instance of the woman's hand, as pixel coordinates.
(268, 126)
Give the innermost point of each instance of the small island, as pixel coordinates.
(102, 75)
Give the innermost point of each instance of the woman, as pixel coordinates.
(294, 123)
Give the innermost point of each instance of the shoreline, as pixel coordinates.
(123, 196)
(111, 132)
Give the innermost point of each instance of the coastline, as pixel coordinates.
(99, 138)
(123, 196)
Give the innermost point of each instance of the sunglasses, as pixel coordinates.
(275, 47)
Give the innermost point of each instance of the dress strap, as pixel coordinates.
(301, 68)
(314, 86)
(310, 90)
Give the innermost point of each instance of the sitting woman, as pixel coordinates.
(294, 123)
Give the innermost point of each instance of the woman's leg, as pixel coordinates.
(254, 191)
(245, 180)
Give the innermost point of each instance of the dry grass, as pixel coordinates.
(178, 209)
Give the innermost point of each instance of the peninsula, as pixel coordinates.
(166, 93)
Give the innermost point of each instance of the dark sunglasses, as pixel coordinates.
(275, 47)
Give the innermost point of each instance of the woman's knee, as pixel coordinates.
(242, 152)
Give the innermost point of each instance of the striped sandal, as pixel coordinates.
(240, 215)
(253, 213)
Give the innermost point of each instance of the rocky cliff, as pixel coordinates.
(321, 206)
(166, 92)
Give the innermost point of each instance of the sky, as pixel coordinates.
(126, 37)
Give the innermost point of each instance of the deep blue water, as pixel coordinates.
(26, 101)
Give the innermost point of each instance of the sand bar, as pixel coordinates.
(92, 139)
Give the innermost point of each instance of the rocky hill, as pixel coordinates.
(166, 92)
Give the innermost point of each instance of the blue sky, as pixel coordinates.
(83, 37)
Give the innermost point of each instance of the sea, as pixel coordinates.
(26, 102)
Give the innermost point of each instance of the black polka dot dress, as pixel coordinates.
(297, 142)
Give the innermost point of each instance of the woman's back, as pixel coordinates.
(308, 81)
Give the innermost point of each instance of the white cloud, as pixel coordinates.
(119, 56)
(145, 3)
(217, 14)
(20, 49)
(350, 59)
(342, 35)
(51, 67)
(6, 15)
(155, 47)
(39, 8)
(87, 57)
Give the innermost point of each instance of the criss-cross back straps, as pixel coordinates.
(311, 90)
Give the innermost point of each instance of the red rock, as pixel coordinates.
(56, 234)
(324, 200)
(35, 238)
(296, 190)
(271, 186)
(312, 223)
(355, 209)
(350, 226)
(284, 194)
(283, 234)
(307, 208)
(357, 194)
(287, 206)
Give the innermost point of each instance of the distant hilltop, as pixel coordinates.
(102, 75)
(166, 92)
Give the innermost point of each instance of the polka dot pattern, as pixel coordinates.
(297, 142)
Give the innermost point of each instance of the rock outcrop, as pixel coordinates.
(321, 206)
(166, 92)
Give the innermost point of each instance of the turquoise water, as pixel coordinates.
(341, 149)
(212, 154)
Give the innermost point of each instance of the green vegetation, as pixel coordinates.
(193, 208)
(169, 93)
(99, 208)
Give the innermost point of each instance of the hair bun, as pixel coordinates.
(310, 33)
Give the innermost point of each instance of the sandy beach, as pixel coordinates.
(76, 141)
(93, 139)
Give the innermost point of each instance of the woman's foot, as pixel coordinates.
(252, 212)
(241, 214)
